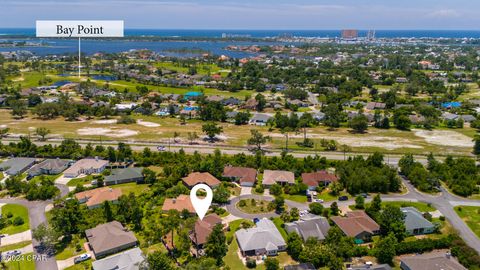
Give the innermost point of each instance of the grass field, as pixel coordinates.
(422, 207)
(26, 262)
(296, 198)
(68, 250)
(15, 246)
(86, 265)
(80, 181)
(259, 206)
(388, 141)
(137, 189)
(17, 211)
(471, 216)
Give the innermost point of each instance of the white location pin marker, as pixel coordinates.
(201, 205)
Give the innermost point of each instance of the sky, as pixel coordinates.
(251, 14)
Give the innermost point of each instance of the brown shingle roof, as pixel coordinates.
(355, 223)
(242, 173)
(97, 196)
(109, 236)
(203, 229)
(201, 178)
(431, 261)
(313, 179)
(271, 177)
(179, 203)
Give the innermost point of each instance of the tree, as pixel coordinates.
(385, 249)
(211, 130)
(149, 176)
(333, 116)
(67, 220)
(261, 102)
(359, 202)
(216, 245)
(373, 210)
(160, 261)
(19, 109)
(278, 204)
(359, 123)
(221, 194)
(45, 235)
(316, 208)
(4, 132)
(276, 189)
(241, 118)
(257, 139)
(391, 221)
(334, 209)
(42, 132)
(294, 214)
(403, 123)
(192, 136)
(107, 211)
(476, 146)
(272, 264)
(294, 245)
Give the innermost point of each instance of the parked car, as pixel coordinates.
(161, 148)
(14, 253)
(256, 220)
(343, 198)
(364, 195)
(318, 200)
(82, 258)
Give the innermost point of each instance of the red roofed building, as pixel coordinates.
(180, 203)
(357, 224)
(203, 229)
(196, 178)
(313, 180)
(245, 176)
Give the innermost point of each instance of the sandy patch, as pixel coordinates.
(108, 121)
(389, 143)
(3, 126)
(444, 137)
(116, 133)
(147, 124)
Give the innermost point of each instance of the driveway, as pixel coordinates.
(246, 191)
(16, 238)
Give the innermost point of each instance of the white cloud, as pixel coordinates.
(444, 13)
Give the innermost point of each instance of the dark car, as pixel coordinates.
(343, 198)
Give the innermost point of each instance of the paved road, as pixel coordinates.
(36, 214)
(444, 202)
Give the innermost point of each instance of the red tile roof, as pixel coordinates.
(201, 178)
(203, 229)
(313, 179)
(355, 223)
(242, 173)
(180, 203)
(95, 197)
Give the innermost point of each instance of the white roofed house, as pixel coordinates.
(86, 166)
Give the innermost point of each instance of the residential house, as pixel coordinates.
(313, 180)
(125, 175)
(215, 98)
(250, 104)
(369, 266)
(86, 166)
(110, 238)
(245, 176)
(415, 223)
(49, 166)
(468, 118)
(196, 178)
(375, 106)
(182, 202)
(357, 224)
(271, 177)
(309, 226)
(14, 166)
(127, 260)
(430, 261)
(94, 198)
(260, 119)
(264, 239)
(203, 228)
(231, 101)
(125, 106)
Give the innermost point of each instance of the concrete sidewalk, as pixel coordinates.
(17, 238)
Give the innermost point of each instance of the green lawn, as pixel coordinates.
(80, 181)
(137, 189)
(25, 263)
(38, 178)
(279, 223)
(15, 246)
(17, 211)
(86, 265)
(422, 207)
(296, 198)
(259, 206)
(471, 216)
(68, 250)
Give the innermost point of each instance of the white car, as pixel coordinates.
(161, 148)
(318, 200)
(82, 258)
(14, 253)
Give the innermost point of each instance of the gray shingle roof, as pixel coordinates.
(264, 236)
(309, 226)
(414, 219)
(127, 260)
(49, 165)
(15, 166)
(124, 174)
